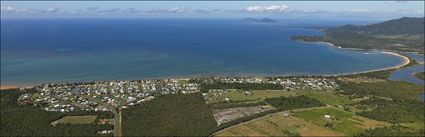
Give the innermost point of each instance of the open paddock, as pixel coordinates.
(88, 119)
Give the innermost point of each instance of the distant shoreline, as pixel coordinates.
(406, 61)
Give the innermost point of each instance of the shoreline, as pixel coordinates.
(405, 62)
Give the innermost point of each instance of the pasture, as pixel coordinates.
(343, 122)
(256, 95)
(88, 119)
(277, 125)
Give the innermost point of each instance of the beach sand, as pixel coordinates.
(405, 62)
(6, 87)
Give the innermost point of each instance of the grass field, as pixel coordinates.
(255, 96)
(89, 119)
(329, 98)
(342, 121)
(277, 125)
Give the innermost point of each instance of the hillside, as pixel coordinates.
(404, 34)
(402, 26)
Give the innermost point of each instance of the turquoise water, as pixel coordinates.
(58, 50)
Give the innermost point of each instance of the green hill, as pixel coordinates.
(404, 34)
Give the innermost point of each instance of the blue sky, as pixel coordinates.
(215, 9)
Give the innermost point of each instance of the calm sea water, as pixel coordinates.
(407, 74)
(47, 50)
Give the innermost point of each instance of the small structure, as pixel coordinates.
(286, 114)
(328, 117)
(247, 93)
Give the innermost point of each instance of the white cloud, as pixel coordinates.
(177, 9)
(51, 10)
(269, 8)
(202, 11)
(8, 9)
(170, 10)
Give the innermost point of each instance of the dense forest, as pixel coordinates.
(244, 86)
(170, 115)
(25, 120)
(404, 34)
(288, 103)
(393, 111)
(392, 89)
(395, 131)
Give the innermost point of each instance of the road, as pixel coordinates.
(282, 112)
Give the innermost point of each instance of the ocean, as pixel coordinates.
(35, 51)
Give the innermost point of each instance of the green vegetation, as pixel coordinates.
(384, 74)
(169, 115)
(391, 89)
(256, 95)
(420, 75)
(244, 86)
(395, 131)
(244, 119)
(25, 120)
(87, 119)
(237, 104)
(405, 34)
(277, 125)
(288, 103)
(339, 121)
(331, 98)
(394, 111)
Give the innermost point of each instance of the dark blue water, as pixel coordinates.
(55, 50)
(407, 74)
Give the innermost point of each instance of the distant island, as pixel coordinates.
(262, 20)
(404, 34)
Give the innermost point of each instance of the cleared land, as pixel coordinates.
(329, 98)
(342, 122)
(229, 114)
(256, 95)
(277, 125)
(89, 119)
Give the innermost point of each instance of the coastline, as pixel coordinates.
(405, 62)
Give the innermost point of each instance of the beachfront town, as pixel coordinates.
(106, 95)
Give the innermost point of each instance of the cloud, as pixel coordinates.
(170, 10)
(202, 11)
(132, 10)
(269, 8)
(109, 10)
(92, 8)
(177, 9)
(8, 9)
(49, 10)
(13, 10)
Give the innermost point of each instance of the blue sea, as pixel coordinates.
(35, 51)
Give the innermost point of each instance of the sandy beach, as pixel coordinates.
(405, 62)
(6, 87)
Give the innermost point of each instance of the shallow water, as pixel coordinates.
(57, 50)
(407, 74)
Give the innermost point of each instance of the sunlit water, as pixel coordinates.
(56, 50)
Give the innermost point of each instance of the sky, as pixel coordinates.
(214, 9)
